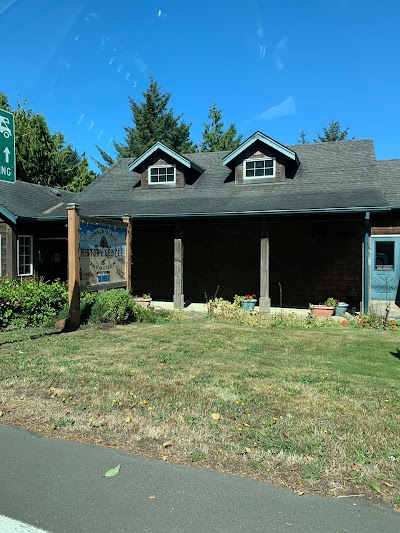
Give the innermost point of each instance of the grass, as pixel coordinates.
(312, 409)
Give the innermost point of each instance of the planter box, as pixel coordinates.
(143, 302)
(248, 305)
(322, 310)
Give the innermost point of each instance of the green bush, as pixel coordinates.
(87, 301)
(115, 306)
(30, 303)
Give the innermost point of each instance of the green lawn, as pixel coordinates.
(313, 409)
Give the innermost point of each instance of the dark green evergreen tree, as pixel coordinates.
(332, 132)
(215, 139)
(82, 175)
(4, 102)
(152, 121)
(303, 137)
(43, 157)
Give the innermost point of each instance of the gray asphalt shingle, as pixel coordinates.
(340, 175)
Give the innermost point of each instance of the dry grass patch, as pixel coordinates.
(313, 409)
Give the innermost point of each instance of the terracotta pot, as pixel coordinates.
(143, 302)
(323, 310)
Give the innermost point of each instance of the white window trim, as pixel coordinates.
(254, 159)
(30, 273)
(162, 182)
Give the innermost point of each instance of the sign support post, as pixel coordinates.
(74, 289)
(128, 259)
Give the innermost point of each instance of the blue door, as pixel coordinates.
(385, 268)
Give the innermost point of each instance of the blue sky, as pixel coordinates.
(278, 67)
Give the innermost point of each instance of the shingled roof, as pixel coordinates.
(332, 176)
(336, 176)
(29, 201)
(389, 180)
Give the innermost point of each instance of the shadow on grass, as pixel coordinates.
(396, 354)
(34, 336)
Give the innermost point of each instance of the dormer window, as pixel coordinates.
(162, 174)
(259, 168)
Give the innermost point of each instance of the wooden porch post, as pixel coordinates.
(366, 264)
(11, 252)
(179, 301)
(73, 266)
(265, 300)
(128, 259)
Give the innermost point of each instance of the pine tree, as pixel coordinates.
(332, 132)
(82, 175)
(43, 157)
(153, 122)
(215, 139)
(4, 102)
(303, 137)
(107, 158)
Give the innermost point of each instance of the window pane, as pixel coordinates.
(269, 163)
(384, 255)
(162, 171)
(170, 178)
(162, 178)
(249, 173)
(259, 164)
(153, 171)
(250, 164)
(269, 171)
(260, 172)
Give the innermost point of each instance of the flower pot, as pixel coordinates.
(322, 310)
(248, 305)
(143, 302)
(341, 308)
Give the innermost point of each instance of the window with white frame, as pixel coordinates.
(162, 174)
(25, 255)
(259, 168)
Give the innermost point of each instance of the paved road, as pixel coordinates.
(59, 486)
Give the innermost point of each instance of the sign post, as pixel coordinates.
(7, 147)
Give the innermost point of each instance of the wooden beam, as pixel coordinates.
(128, 258)
(11, 252)
(179, 301)
(265, 300)
(366, 256)
(73, 266)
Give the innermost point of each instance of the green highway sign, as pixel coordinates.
(7, 146)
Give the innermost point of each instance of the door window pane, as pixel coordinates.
(384, 255)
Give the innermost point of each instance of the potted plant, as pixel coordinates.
(144, 300)
(325, 309)
(247, 302)
(341, 308)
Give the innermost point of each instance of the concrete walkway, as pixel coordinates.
(59, 486)
(199, 307)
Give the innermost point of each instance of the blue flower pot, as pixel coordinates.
(248, 305)
(341, 309)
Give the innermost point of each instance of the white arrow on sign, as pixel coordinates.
(7, 154)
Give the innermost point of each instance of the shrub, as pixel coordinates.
(87, 301)
(115, 306)
(30, 302)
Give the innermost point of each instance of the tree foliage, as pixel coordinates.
(303, 137)
(43, 157)
(152, 121)
(333, 132)
(214, 138)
